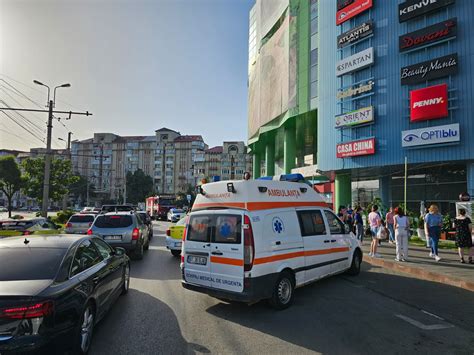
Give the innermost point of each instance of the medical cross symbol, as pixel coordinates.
(225, 230)
(278, 225)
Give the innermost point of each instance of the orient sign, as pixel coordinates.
(429, 103)
(415, 8)
(355, 8)
(353, 91)
(355, 62)
(351, 36)
(430, 70)
(356, 148)
(433, 135)
(363, 115)
(432, 34)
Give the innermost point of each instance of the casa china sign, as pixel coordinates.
(363, 115)
(432, 135)
(355, 8)
(355, 62)
(414, 8)
(429, 103)
(356, 148)
(432, 34)
(429, 70)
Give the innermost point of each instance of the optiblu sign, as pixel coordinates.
(355, 62)
(432, 135)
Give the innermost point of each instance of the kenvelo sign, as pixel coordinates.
(414, 8)
(430, 70)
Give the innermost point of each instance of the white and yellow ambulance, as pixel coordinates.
(260, 239)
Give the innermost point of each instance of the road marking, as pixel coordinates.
(424, 326)
(433, 315)
(154, 247)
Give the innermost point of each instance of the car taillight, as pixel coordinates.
(37, 310)
(168, 232)
(135, 234)
(89, 232)
(26, 233)
(249, 246)
(185, 228)
(68, 225)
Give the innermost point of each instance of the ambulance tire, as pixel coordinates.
(354, 270)
(176, 253)
(283, 292)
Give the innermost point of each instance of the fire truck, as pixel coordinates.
(159, 206)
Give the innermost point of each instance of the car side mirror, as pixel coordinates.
(347, 229)
(119, 251)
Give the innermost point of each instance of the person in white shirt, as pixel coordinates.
(401, 225)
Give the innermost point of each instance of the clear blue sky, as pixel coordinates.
(138, 65)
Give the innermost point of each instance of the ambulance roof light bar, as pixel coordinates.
(284, 177)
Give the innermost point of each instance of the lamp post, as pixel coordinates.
(47, 158)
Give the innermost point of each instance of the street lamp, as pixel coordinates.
(47, 158)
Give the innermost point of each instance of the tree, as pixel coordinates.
(79, 189)
(61, 178)
(181, 197)
(139, 186)
(11, 180)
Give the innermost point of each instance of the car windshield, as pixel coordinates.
(177, 211)
(81, 219)
(113, 221)
(30, 263)
(165, 202)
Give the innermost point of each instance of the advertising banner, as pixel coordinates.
(414, 8)
(354, 91)
(355, 62)
(429, 103)
(355, 8)
(432, 135)
(430, 70)
(360, 116)
(355, 34)
(356, 148)
(432, 34)
(343, 3)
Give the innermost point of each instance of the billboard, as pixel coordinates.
(428, 35)
(414, 8)
(356, 148)
(430, 70)
(429, 103)
(355, 34)
(355, 62)
(354, 91)
(352, 10)
(431, 135)
(353, 118)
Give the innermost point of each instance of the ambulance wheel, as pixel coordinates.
(176, 252)
(354, 270)
(283, 292)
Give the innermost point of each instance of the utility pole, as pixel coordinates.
(47, 162)
(101, 166)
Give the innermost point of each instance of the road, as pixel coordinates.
(377, 312)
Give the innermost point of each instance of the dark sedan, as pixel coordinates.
(54, 289)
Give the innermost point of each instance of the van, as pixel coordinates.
(260, 239)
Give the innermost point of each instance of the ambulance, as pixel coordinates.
(260, 239)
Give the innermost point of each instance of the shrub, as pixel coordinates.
(62, 217)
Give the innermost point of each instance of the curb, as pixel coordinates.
(421, 273)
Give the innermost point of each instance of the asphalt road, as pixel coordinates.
(377, 312)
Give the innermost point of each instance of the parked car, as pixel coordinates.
(147, 220)
(87, 210)
(27, 226)
(122, 229)
(54, 290)
(116, 208)
(175, 214)
(3, 209)
(174, 237)
(79, 223)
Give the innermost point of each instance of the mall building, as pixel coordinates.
(393, 84)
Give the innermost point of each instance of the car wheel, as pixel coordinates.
(86, 329)
(126, 279)
(354, 270)
(176, 252)
(138, 253)
(283, 292)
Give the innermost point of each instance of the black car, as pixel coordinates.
(54, 289)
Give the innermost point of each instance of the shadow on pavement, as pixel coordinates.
(141, 324)
(153, 265)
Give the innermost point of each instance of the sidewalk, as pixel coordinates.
(448, 271)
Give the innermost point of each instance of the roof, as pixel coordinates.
(11, 152)
(188, 138)
(218, 149)
(62, 241)
(127, 139)
(164, 129)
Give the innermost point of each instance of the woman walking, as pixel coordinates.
(433, 224)
(390, 226)
(375, 221)
(401, 225)
(463, 226)
(359, 224)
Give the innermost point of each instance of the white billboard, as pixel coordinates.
(355, 62)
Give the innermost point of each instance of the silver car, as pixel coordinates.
(175, 214)
(122, 229)
(79, 223)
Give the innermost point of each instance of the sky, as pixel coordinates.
(137, 65)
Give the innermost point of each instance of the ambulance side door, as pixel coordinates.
(340, 245)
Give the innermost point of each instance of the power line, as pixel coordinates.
(19, 124)
(22, 94)
(32, 124)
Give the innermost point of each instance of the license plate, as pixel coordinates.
(199, 260)
(113, 237)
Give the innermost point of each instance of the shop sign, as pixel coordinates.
(355, 34)
(355, 8)
(357, 90)
(432, 34)
(430, 70)
(355, 62)
(343, 3)
(356, 148)
(432, 135)
(464, 197)
(429, 103)
(363, 115)
(414, 8)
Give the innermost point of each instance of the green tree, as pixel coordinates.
(61, 178)
(11, 180)
(181, 197)
(139, 186)
(79, 189)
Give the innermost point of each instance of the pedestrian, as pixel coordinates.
(389, 220)
(341, 213)
(349, 217)
(359, 224)
(433, 224)
(401, 225)
(375, 222)
(463, 226)
(427, 237)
